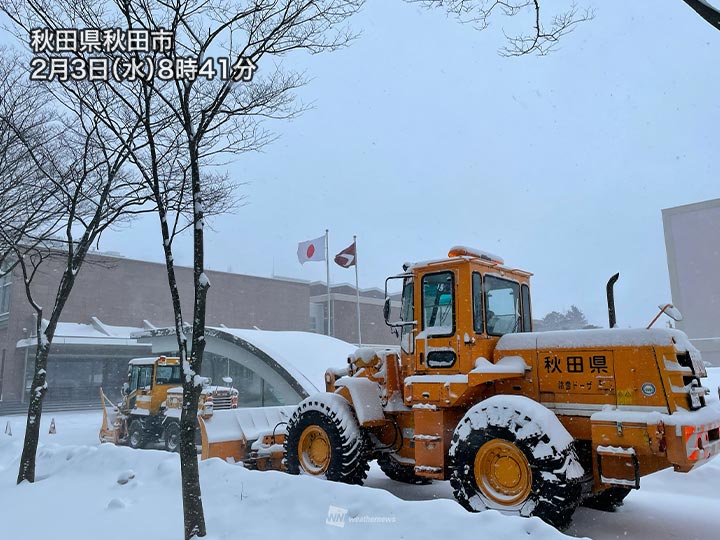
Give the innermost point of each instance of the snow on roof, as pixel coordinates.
(304, 355)
(95, 333)
(143, 361)
(472, 252)
(615, 337)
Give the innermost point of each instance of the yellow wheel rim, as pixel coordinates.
(502, 473)
(314, 450)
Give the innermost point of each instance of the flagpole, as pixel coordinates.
(327, 264)
(357, 293)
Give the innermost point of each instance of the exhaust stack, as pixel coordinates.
(611, 300)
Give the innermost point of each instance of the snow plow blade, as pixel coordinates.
(252, 436)
(110, 429)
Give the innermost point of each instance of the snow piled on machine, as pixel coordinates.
(90, 490)
(602, 337)
(507, 411)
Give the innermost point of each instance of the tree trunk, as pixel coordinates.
(32, 426)
(193, 515)
(39, 385)
(192, 496)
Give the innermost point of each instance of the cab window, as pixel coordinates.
(407, 314)
(145, 377)
(477, 303)
(134, 378)
(438, 304)
(168, 375)
(502, 306)
(527, 317)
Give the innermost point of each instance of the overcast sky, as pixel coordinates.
(422, 137)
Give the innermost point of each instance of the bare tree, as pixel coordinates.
(28, 205)
(190, 126)
(220, 118)
(74, 183)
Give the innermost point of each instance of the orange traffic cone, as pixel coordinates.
(8, 430)
(52, 427)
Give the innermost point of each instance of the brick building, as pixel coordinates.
(115, 297)
(343, 306)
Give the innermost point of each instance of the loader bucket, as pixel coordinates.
(229, 434)
(109, 431)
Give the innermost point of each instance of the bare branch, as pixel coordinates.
(542, 39)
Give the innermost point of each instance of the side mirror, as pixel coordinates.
(386, 310)
(669, 310)
(672, 312)
(125, 390)
(227, 380)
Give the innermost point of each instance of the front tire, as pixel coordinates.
(137, 437)
(515, 456)
(325, 440)
(172, 437)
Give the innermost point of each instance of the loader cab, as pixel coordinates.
(149, 380)
(454, 310)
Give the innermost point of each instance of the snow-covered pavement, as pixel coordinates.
(87, 490)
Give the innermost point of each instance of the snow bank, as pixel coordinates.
(80, 495)
(86, 491)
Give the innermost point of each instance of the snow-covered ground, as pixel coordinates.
(87, 490)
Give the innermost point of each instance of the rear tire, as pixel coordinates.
(399, 472)
(609, 500)
(172, 437)
(325, 440)
(503, 458)
(137, 437)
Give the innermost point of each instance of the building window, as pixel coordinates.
(317, 318)
(5, 283)
(2, 371)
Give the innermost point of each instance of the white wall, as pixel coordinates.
(692, 241)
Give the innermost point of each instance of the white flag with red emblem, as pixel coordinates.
(347, 257)
(312, 250)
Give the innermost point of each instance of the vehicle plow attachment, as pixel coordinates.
(113, 426)
(252, 436)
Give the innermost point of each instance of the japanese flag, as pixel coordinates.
(312, 250)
